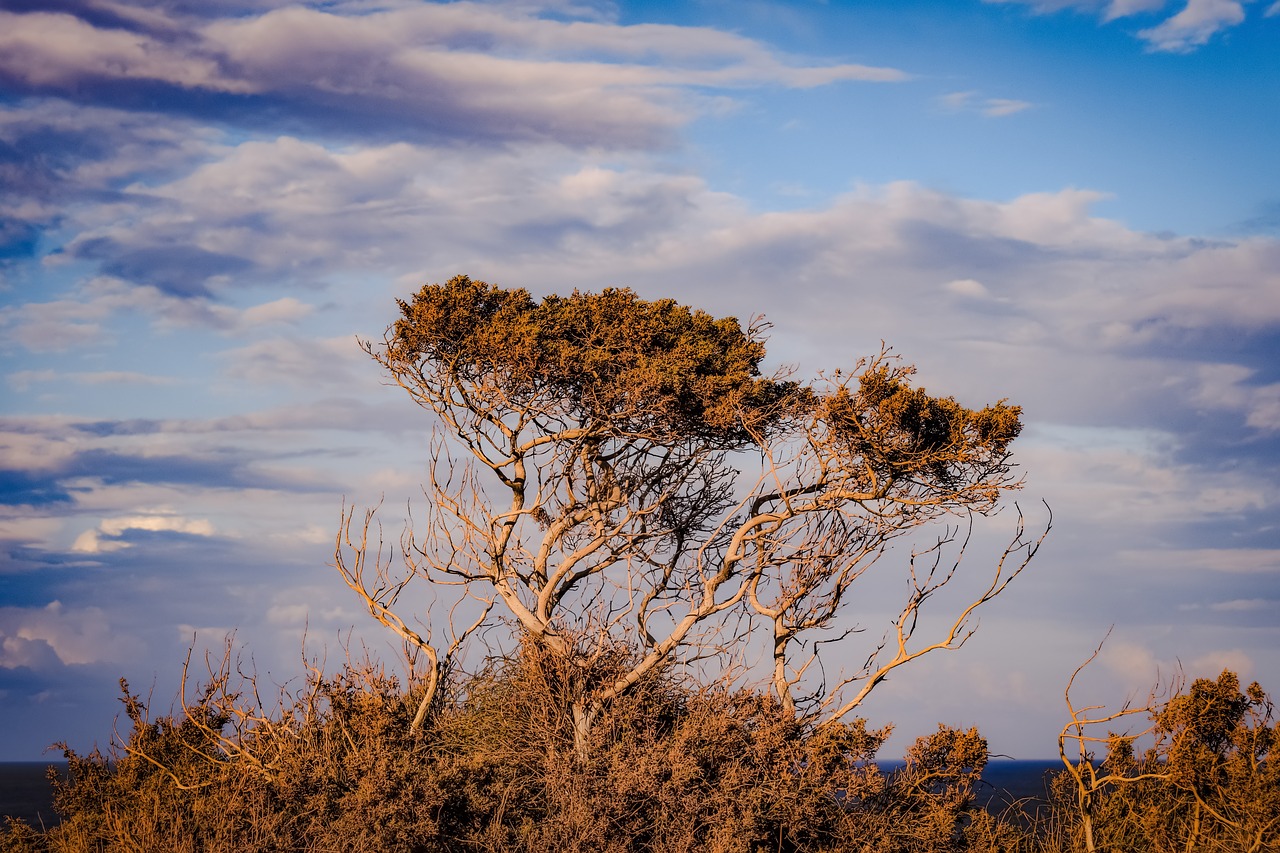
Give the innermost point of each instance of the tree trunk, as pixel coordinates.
(781, 638)
(583, 716)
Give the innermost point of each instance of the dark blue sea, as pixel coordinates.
(1006, 781)
(25, 791)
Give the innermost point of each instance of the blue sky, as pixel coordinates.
(1068, 203)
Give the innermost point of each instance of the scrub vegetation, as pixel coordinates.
(621, 605)
(336, 766)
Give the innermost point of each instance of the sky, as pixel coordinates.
(1071, 204)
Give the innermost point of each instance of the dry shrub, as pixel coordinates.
(669, 768)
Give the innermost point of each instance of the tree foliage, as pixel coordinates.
(1206, 778)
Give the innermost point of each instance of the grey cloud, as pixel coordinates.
(227, 468)
(176, 270)
(99, 13)
(334, 413)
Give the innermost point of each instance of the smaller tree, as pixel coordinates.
(1204, 781)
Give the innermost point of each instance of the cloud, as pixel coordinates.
(1198, 22)
(290, 361)
(55, 635)
(1210, 664)
(53, 326)
(1192, 27)
(1234, 388)
(54, 49)
(22, 380)
(1242, 605)
(968, 287)
(990, 107)
(1110, 9)
(82, 321)
(1125, 8)
(93, 541)
(1000, 107)
(1242, 561)
(459, 70)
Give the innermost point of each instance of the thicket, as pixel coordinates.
(334, 766)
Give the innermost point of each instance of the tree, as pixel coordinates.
(1206, 779)
(618, 478)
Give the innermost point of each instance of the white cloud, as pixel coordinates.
(51, 48)
(45, 637)
(472, 70)
(80, 323)
(310, 363)
(970, 101)
(1227, 387)
(1211, 664)
(1273, 11)
(53, 326)
(1198, 22)
(1124, 8)
(1243, 561)
(1111, 10)
(1000, 107)
(22, 380)
(93, 541)
(286, 310)
(1134, 663)
(1242, 605)
(968, 287)
(1190, 28)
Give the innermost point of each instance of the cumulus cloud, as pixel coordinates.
(58, 635)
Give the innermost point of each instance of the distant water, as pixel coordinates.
(25, 791)
(1005, 781)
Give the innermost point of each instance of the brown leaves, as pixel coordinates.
(902, 431)
(611, 360)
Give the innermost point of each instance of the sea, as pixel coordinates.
(25, 792)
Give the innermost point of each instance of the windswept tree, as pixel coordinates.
(617, 481)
